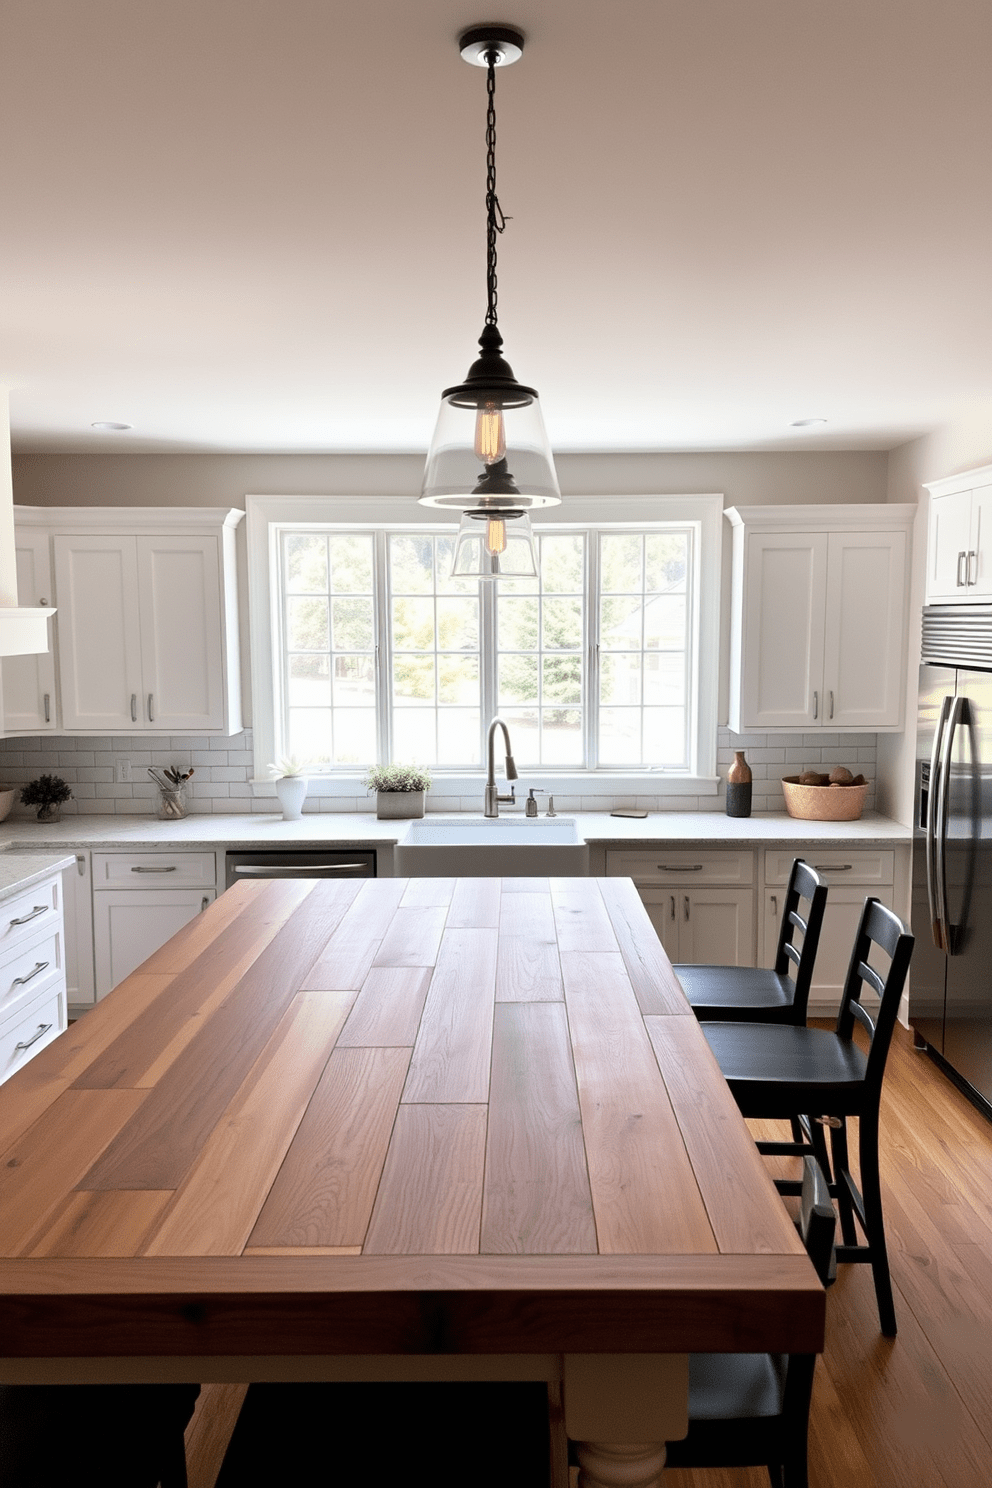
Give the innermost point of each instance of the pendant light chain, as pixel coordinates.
(495, 220)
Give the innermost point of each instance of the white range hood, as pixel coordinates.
(23, 631)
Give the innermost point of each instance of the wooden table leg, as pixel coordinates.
(621, 1409)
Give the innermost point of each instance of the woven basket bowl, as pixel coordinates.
(823, 802)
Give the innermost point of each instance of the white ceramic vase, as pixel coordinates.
(292, 792)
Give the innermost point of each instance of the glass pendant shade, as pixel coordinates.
(472, 437)
(495, 544)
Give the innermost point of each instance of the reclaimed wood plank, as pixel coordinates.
(107, 1223)
(430, 1197)
(537, 1199)
(413, 937)
(386, 1012)
(242, 901)
(304, 1250)
(451, 1056)
(410, 1304)
(216, 1205)
(655, 984)
(475, 904)
(581, 920)
(158, 1148)
(733, 1180)
(42, 1080)
(428, 893)
(41, 1169)
(528, 971)
(530, 914)
(326, 1187)
(645, 1195)
(347, 957)
(143, 1052)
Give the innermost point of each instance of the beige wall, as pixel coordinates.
(225, 480)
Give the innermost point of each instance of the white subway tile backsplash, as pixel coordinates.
(225, 770)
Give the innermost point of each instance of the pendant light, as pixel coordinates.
(490, 458)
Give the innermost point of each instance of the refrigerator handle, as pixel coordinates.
(940, 824)
(933, 793)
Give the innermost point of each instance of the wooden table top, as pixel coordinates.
(393, 1116)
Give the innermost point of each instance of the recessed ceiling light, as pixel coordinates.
(108, 427)
(805, 423)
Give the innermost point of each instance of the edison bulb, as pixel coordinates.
(495, 536)
(490, 434)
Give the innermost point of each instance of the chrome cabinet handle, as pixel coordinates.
(673, 906)
(831, 697)
(170, 869)
(289, 870)
(151, 715)
(833, 867)
(134, 707)
(48, 707)
(679, 867)
(26, 919)
(26, 1043)
(80, 865)
(204, 902)
(816, 705)
(19, 981)
(774, 901)
(685, 905)
(968, 578)
(959, 582)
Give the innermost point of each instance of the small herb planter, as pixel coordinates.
(399, 805)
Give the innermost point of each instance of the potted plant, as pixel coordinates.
(291, 785)
(47, 793)
(400, 790)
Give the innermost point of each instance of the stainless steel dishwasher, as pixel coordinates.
(311, 863)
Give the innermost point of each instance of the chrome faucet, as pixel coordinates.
(493, 796)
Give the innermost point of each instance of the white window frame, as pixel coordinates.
(267, 515)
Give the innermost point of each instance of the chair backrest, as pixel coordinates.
(804, 884)
(880, 927)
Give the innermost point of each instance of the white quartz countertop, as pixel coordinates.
(351, 829)
(19, 870)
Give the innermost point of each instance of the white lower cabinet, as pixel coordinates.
(32, 973)
(850, 877)
(700, 903)
(139, 901)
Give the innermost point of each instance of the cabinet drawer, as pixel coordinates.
(663, 866)
(154, 870)
(23, 917)
(837, 865)
(23, 969)
(36, 1024)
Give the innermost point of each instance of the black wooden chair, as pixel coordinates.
(755, 994)
(775, 1071)
(752, 1410)
(117, 1436)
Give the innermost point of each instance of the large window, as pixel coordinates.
(377, 654)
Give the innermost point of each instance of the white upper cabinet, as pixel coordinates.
(147, 629)
(959, 546)
(27, 683)
(818, 618)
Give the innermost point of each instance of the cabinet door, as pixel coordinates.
(980, 552)
(180, 618)
(948, 546)
(99, 648)
(77, 904)
(863, 672)
(716, 926)
(662, 906)
(29, 681)
(782, 660)
(128, 925)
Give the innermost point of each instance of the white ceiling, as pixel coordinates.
(259, 224)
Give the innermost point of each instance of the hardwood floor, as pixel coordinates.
(910, 1412)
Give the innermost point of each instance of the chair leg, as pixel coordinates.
(871, 1192)
(819, 1144)
(842, 1165)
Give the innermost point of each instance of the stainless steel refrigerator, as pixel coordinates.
(951, 979)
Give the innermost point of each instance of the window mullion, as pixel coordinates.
(383, 651)
(592, 651)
